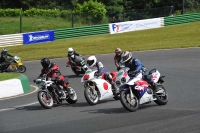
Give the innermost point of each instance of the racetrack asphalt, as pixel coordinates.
(181, 114)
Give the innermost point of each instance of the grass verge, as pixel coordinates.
(178, 36)
(6, 76)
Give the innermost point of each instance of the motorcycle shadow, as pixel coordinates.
(73, 76)
(118, 110)
(107, 111)
(30, 108)
(146, 106)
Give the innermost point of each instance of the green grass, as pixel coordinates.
(5, 76)
(178, 36)
(11, 25)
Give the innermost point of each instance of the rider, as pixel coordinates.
(136, 66)
(94, 64)
(71, 55)
(4, 60)
(52, 71)
(117, 57)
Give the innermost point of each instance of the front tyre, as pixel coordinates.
(91, 95)
(21, 69)
(130, 104)
(45, 99)
(72, 99)
(161, 98)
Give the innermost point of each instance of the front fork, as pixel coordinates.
(91, 86)
(131, 93)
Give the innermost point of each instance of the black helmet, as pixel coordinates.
(45, 62)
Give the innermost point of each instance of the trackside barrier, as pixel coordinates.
(38, 37)
(81, 31)
(129, 26)
(13, 87)
(11, 40)
(181, 19)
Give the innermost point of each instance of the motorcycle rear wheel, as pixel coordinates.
(90, 97)
(116, 97)
(128, 103)
(45, 99)
(21, 69)
(162, 98)
(72, 99)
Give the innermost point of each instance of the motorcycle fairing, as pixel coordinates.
(132, 80)
(105, 92)
(146, 98)
(155, 75)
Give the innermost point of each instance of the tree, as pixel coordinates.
(113, 7)
(92, 10)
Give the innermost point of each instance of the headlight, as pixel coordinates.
(123, 80)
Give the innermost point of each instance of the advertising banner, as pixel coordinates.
(38, 37)
(134, 25)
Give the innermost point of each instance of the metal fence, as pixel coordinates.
(72, 20)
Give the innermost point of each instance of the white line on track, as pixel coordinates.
(1, 110)
(20, 106)
(36, 88)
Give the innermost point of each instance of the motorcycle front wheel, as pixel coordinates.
(72, 99)
(21, 69)
(45, 99)
(90, 96)
(130, 104)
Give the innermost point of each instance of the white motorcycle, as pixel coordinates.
(137, 91)
(97, 88)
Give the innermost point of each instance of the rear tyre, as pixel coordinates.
(21, 69)
(116, 96)
(162, 98)
(45, 99)
(72, 99)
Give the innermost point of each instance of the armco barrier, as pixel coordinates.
(14, 87)
(11, 40)
(181, 19)
(81, 31)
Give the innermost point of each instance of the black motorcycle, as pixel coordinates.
(78, 65)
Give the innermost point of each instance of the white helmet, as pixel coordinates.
(126, 57)
(91, 61)
(70, 51)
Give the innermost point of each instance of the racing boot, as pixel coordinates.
(115, 87)
(62, 92)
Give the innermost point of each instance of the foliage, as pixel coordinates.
(66, 14)
(93, 10)
(114, 8)
(10, 12)
(42, 12)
